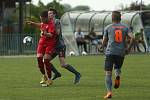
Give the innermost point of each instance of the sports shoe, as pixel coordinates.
(43, 80)
(108, 95)
(56, 76)
(117, 82)
(49, 82)
(77, 78)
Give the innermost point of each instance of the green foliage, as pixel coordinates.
(35, 13)
(137, 6)
(67, 7)
(29, 28)
(20, 79)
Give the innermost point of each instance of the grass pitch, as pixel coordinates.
(19, 79)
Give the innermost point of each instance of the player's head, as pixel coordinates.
(79, 29)
(44, 16)
(52, 13)
(116, 16)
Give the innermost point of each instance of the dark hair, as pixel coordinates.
(54, 10)
(44, 13)
(116, 16)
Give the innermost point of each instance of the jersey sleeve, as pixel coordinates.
(58, 26)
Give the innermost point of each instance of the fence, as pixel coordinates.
(12, 44)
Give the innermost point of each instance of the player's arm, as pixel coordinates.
(105, 38)
(33, 23)
(47, 34)
(58, 27)
(50, 30)
(104, 42)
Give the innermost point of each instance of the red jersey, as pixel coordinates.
(50, 28)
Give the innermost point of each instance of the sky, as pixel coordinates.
(97, 5)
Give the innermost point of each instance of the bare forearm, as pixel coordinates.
(47, 34)
(104, 42)
(34, 23)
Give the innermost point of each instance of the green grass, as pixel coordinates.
(19, 79)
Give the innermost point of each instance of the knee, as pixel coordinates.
(46, 61)
(40, 59)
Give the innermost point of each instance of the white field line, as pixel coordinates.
(18, 56)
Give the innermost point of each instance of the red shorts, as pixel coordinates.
(45, 46)
(43, 49)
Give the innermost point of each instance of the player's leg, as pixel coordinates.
(48, 52)
(85, 46)
(71, 69)
(41, 67)
(40, 54)
(68, 66)
(47, 69)
(40, 63)
(108, 75)
(54, 70)
(117, 69)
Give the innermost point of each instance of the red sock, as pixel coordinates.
(48, 67)
(41, 65)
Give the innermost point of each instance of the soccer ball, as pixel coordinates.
(84, 53)
(72, 53)
(28, 40)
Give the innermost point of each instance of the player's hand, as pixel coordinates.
(101, 49)
(43, 32)
(48, 34)
(28, 22)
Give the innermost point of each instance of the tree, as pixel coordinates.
(41, 4)
(67, 7)
(136, 6)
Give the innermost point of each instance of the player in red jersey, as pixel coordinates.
(46, 45)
